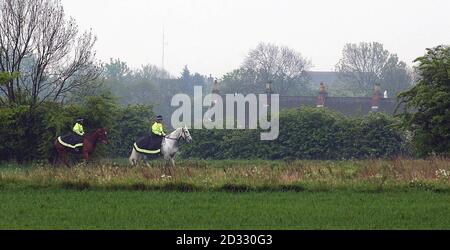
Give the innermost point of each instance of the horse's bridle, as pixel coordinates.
(182, 135)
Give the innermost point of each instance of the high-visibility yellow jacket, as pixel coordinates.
(78, 129)
(157, 129)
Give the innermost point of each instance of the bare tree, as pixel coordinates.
(366, 64)
(37, 40)
(281, 65)
(152, 72)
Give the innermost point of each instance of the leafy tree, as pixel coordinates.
(148, 85)
(365, 64)
(188, 81)
(185, 74)
(426, 106)
(116, 70)
(198, 79)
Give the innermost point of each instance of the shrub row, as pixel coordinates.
(305, 133)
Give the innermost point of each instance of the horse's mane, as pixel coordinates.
(176, 131)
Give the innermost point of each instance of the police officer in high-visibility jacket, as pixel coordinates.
(78, 128)
(157, 134)
(157, 127)
(78, 131)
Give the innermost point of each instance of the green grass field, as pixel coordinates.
(68, 209)
(370, 194)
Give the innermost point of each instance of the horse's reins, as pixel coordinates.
(177, 139)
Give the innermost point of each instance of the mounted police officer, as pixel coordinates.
(78, 131)
(78, 127)
(157, 134)
(157, 127)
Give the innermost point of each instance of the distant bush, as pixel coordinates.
(305, 133)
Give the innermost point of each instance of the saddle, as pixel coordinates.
(148, 144)
(71, 141)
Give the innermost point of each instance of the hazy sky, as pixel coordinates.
(214, 36)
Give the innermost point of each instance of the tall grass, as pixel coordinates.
(239, 176)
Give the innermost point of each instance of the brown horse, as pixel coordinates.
(89, 145)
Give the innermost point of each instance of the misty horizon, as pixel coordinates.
(213, 37)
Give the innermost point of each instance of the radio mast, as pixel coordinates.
(163, 48)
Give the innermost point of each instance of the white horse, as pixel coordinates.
(169, 146)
